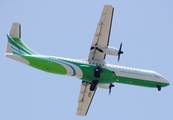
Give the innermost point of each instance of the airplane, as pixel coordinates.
(94, 72)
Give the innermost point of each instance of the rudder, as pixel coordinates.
(15, 31)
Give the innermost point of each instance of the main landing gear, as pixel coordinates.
(93, 85)
(97, 71)
(159, 87)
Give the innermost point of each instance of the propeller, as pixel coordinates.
(100, 50)
(110, 86)
(120, 52)
(92, 48)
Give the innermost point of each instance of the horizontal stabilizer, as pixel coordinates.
(17, 58)
(15, 30)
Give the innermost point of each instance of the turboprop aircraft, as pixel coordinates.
(94, 72)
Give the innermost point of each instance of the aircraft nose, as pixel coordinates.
(165, 80)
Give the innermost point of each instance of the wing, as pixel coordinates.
(101, 37)
(85, 99)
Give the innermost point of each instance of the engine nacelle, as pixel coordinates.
(110, 51)
(104, 86)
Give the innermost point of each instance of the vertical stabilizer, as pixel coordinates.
(15, 45)
(15, 30)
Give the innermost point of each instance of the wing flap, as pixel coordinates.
(85, 99)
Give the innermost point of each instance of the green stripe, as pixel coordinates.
(45, 65)
(16, 53)
(18, 40)
(15, 44)
(88, 72)
(110, 77)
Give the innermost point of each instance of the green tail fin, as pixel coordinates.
(15, 44)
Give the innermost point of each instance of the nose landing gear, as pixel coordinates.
(159, 87)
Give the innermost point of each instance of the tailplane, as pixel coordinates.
(15, 45)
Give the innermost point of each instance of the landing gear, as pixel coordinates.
(159, 87)
(97, 71)
(93, 85)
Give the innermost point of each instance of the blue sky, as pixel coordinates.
(66, 29)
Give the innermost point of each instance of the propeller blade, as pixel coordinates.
(120, 52)
(100, 50)
(109, 91)
(92, 48)
(110, 86)
(118, 57)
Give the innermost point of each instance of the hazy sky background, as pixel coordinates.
(66, 29)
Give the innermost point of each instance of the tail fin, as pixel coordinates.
(15, 45)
